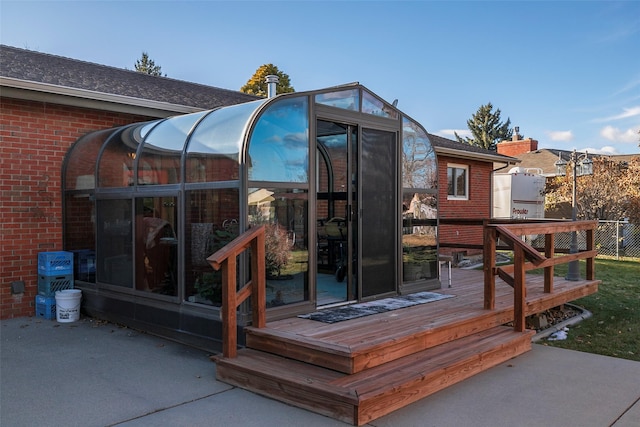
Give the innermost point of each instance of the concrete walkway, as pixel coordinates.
(93, 373)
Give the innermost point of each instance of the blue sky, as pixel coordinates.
(567, 73)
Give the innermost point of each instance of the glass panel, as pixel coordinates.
(115, 168)
(214, 147)
(79, 234)
(461, 182)
(171, 134)
(336, 235)
(284, 212)
(379, 206)
(419, 250)
(158, 166)
(211, 222)
(160, 159)
(372, 105)
(145, 129)
(115, 242)
(81, 161)
(348, 99)
(451, 181)
(419, 167)
(279, 147)
(419, 204)
(332, 170)
(156, 245)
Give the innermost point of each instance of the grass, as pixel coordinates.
(614, 328)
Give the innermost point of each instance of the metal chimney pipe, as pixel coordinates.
(272, 81)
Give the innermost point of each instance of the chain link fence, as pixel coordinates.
(619, 239)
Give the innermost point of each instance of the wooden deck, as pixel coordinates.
(361, 369)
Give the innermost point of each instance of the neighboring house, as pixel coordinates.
(48, 103)
(544, 159)
(468, 172)
(527, 152)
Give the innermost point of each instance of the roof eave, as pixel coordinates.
(36, 91)
(463, 154)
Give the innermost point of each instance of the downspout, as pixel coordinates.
(272, 81)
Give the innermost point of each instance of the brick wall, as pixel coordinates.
(477, 207)
(34, 137)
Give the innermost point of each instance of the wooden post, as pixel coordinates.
(591, 266)
(549, 250)
(258, 299)
(520, 291)
(225, 260)
(489, 264)
(229, 306)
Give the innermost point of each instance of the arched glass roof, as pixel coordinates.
(158, 150)
(210, 146)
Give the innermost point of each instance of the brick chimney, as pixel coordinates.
(517, 145)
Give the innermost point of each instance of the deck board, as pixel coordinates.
(377, 338)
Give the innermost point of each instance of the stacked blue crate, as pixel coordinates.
(45, 307)
(55, 273)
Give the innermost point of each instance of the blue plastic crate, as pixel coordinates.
(49, 285)
(60, 262)
(45, 307)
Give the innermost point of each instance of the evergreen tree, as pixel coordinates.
(486, 128)
(257, 84)
(146, 65)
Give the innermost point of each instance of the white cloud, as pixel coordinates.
(451, 133)
(626, 113)
(614, 134)
(560, 135)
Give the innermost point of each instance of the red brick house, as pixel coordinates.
(474, 199)
(49, 103)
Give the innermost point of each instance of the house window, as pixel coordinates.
(457, 182)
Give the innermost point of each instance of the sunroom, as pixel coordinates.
(345, 183)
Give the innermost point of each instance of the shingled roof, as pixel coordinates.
(50, 72)
(546, 158)
(447, 146)
(30, 66)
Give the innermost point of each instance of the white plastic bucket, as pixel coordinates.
(68, 305)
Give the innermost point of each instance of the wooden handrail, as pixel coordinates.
(225, 259)
(514, 274)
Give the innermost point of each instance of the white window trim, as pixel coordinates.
(466, 175)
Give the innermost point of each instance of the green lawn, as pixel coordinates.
(614, 328)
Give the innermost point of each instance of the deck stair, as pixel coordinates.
(361, 369)
(363, 396)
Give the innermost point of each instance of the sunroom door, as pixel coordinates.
(356, 213)
(336, 205)
(378, 213)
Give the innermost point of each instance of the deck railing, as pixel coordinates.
(526, 258)
(232, 297)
